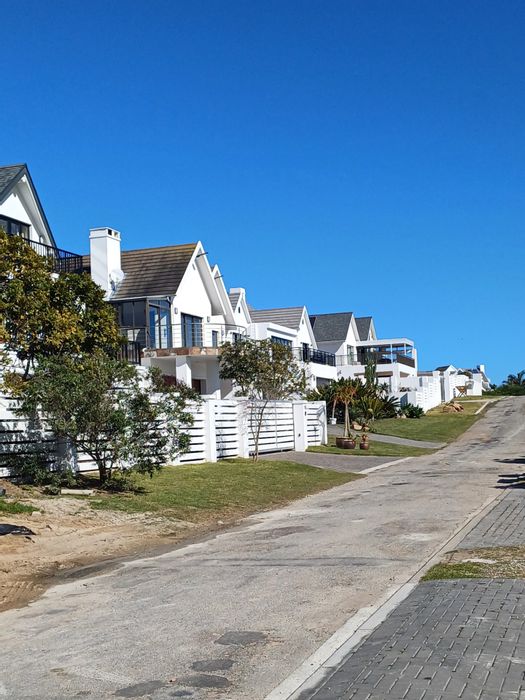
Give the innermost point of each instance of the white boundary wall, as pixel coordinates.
(221, 429)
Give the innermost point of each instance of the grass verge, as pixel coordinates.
(435, 425)
(376, 449)
(226, 489)
(490, 562)
(15, 507)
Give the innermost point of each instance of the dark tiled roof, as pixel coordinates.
(153, 271)
(442, 368)
(150, 272)
(9, 176)
(290, 317)
(363, 326)
(331, 326)
(234, 298)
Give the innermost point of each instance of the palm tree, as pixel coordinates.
(518, 379)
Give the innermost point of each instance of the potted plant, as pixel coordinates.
(345, 392)
(364, 444)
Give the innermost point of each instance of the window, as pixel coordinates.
(236, 337)
(215, 339)
(281, 341)
(159, 321)
(191, 331)
(14, 227)
(306, 352)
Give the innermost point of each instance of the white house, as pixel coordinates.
(354, 342)
(172, 306)
(291, 326)
(22, 214)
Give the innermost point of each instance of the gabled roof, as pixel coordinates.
(234, 299)
(290, 317)
(443, 368)
(150, 272)
(10, 176)
(331, 326)
(363, 326)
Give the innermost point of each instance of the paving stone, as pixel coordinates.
(503, 526)
(452, 652)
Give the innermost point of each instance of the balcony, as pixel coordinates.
(62, 260)
(319, 357)
(161, 339)
(384, 352)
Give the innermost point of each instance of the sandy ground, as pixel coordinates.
(69, 534)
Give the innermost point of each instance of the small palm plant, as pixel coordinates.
(346, 392)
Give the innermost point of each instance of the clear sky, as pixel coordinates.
(361, 155)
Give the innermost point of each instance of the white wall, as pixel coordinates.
(21, 205)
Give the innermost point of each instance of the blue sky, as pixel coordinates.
(361, 155)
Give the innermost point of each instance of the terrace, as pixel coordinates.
(61, 260)
(382, 352)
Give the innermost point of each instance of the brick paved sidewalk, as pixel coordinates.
(448, 639)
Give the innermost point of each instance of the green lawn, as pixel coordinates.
(377, 449)
(225, 489)
(435, 425)
(14, 507)
(488, 562)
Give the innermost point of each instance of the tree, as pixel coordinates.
(346, 392)
(263, 371)
(516, 379)
(41, 316)
(109, 412)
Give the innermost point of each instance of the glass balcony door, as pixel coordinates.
(159, 323)
(191, 331)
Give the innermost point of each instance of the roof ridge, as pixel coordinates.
(160, 247)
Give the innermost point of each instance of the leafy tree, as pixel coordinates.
(41, 316)
(262, 371)
(109, 412)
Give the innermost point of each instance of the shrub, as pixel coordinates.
(411, 411)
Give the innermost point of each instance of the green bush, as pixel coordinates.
(36, 470)
(411, 411)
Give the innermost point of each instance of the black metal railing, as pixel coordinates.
(62, 260)
(319, 357)
(380, 358)
(130, 351)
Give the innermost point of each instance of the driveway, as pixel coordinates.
(325, 460)
(234, 615)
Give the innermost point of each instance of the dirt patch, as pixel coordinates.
(69, 534)
(489, 562)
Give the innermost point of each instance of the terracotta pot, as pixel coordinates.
(345, 443)
(364, 445)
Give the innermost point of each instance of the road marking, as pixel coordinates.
(384, 466)
(330, 654)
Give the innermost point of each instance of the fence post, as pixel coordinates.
(243, 438)
(300, 426)
(210, 433)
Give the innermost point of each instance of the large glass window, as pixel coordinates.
(281, 341)
(159, 323)
(191, 331)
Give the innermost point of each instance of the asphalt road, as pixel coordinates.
(234, 615)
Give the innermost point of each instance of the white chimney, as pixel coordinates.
(104, 253)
